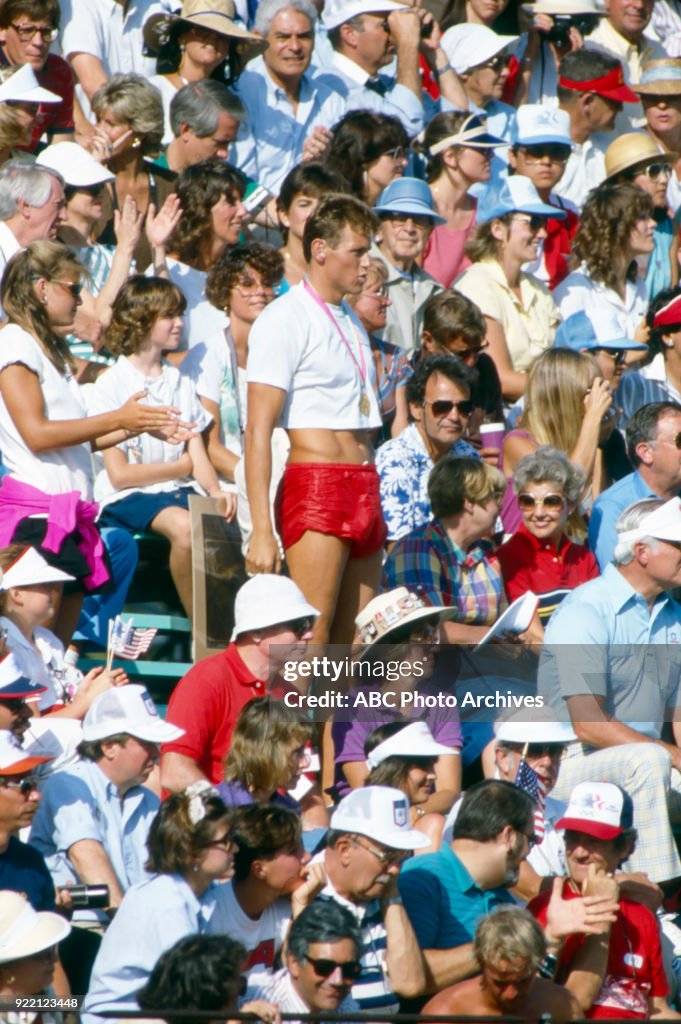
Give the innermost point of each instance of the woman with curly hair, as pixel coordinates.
(146, 483)
(190, 848)
(129, 128)
(460, 151)
(213, 215)
(369, 150)
(46, 435)
(240, 284)
(616, 226)
(568, 405)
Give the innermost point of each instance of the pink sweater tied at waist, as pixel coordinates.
(66, 513)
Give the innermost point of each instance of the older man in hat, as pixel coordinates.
(612, 663)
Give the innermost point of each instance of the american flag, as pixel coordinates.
(527, 779)
(126, 641)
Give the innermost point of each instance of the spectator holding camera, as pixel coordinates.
(558, 27)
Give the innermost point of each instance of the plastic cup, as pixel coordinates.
(492, 435)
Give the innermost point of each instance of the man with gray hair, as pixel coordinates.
(32, 206)
(611, 664)
(205, 118)
(289, 111)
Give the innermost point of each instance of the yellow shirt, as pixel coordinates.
(529, 322)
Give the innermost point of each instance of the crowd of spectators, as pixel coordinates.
(395, 284)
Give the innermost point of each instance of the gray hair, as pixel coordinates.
(269, 9)
(325, 921)
(549, 465)
(20, 179)
(133, 99)
(632, 517)
(199, 105)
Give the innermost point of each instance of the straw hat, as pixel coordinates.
(389, 612)
(217, 15)
(631, 149)
(660, 78)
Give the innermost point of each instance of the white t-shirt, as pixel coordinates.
(60, 470)
(211, 365)
(112, 389)
(294, 345)
(167, 91)
(33, 660)
(578, 291)
(262, 939)
(201, 318)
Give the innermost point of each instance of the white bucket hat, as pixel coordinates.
(30, 567)
(24, 931)
(76, 166)
(414, 740)
(268, 600)
(380, 813)
(131, 710)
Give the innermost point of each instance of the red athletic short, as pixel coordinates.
(338, 499)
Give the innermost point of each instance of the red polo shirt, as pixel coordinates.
(206, 703)
(531, 564)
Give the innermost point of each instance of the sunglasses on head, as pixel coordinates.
(350, 969)
(443, 407)
(552, 501)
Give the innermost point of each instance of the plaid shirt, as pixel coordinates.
(447, 575)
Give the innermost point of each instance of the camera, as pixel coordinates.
(89, 897)
(559, 34)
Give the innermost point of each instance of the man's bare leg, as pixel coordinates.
(317, 564)
(358, 586)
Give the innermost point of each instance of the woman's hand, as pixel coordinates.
(136, 418)
(102, 148)
(315, 880)
(160, 226)
(598, 399)
(128, 224)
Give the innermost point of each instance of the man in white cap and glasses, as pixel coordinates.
(272, 623)
(368, 840)
(366, 35)
(612, 663)
(94, 817)
(407, 215)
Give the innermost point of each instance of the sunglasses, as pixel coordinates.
(399, 153)
(223, 842)
(23, 786)
(350, 969)
(557, 153)
(13, 704)
(655, 171)
(534, 221)
(537, 750)
(443, 407)
(676, 441)
(91, 190)
(299, 627)
(550, 501)
(462, 353)
(495, 64)
(618, 355)
(75, 287)
(385, 857)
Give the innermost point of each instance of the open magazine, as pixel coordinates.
(516, 619)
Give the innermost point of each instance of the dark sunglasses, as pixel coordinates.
(350, 969)
(13, 704)
(537, 750)
(223, 841)
(534, 221)
(556, 152)
(654, 171)
(23, 786)
(75, 287)
(300, 626)
(90, 190)
(443, 407)
(552, 501)
(618, 355)
(496, 63)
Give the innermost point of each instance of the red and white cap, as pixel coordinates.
(600, 809)
(14, 760)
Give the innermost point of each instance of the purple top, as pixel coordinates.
(350, 735)
(235, 794)
(511, 516)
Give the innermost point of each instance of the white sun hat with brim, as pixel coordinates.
(127, 709)
(14, 760)
(414, 740)
(380, 813)
(23, 87)
(30, 568)
(269, 600)
(564, 8)
(516, 194)
(337, 12)
(538, 725)
(391, 611)
(468, 45)
(25, 931)
(77, 167)
(663, 523)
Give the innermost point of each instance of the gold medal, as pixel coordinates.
(364, 403)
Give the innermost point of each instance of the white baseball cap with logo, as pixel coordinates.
(131, 710)
(380, 813)
(337, 12)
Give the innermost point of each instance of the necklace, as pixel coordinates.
(364, 403)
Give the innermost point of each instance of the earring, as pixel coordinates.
(44, 300)
(136, 143)
(195, 868)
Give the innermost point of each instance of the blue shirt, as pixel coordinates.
(270, 144)
(606, 511)
(154, 915)
(23, 869)
(386, 96)
(605, 641)
(404, 465)
(81, 803)
(443, 901)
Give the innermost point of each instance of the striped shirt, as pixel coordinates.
(640, 387)
(469, 580)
